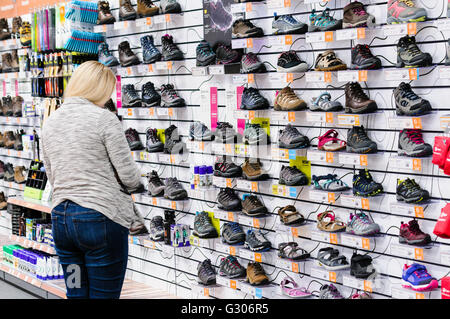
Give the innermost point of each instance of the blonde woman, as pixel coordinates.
(88, 164)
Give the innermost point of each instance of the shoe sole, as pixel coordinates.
(206, 235)
(363, 150)
(257, 283)
(420, 199)
(131, 63)
(426, 110)
(255, 178)
(177, 197)
(177, 104)
(256, 34)
(237, 243)
(422, 242)
(135, 104)
(150, 104)
(262, 249)
(302, 67)
(231, 276)
(108, 21)
(236, 207)
(136, 146)
(313, 28)
(207, 62)
(432, 285)
(261, 106)
(378, 191)
(300, 182)
(333, 268)
(220, 174)
(301, 107)
(361, 276)
(371, 233)
(369, 23)
(160, 194)
(371, 108)
(341, 67)
(261, 212)
(153, 60)
(293, 146)
(302, 30)
(372, 66)
(392, 20)
(414, 154)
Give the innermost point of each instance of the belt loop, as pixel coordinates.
(65, 205)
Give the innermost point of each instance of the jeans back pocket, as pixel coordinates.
(90, 230)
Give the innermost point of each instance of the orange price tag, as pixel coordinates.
(228, 182)
(148, 20)
(420, 295)
(150, 68)
(230, 216)
(170, 112)
(251, 115)
(130, 112)
(287, 3)
(367, 286)
(254, 186)
(172, 159)
(363, 160)
(288, 40)
(333, 239)
(251, 78)
(361, 33)
(362, 76)
(291, 116)
(329, 117)
(294, 231)
(151, 111)
(412, 74)
(167, 17)
(125, 24)
(365, 203)
(329, 36)
(201, 146)
(232, 251)
(206, 292)
(295, 267)
(417, 164)
(329, 157)
(256, 222)
(332, 276)
(173, 205)
(154, 201)
(19, 154)
(258, 257)
(418, 211)
(412, 28)
(6, 76)
(233, 284)
(331, 198)
(250, 43)
(417, 123)
(129, 71)
(365, 243)
(104, 28)
(418, 253)
(133, 197)
(169, 65)
(228, 148)
(248, 7)
(289, 77)
(327, 77)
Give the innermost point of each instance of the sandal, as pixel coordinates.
(289, 215)
(330, 259)
(331, 183)
(291, 251)
(291, 289)
(330, 142)
(332, 224)
(324, 103)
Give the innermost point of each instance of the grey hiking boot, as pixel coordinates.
(130, 98)
(231, 268)
(200, 132)
(255, 241)
(411, 143)
(330, 292)
(157, 229)
(225, 133)
(292, 176)
(287, 24)
(170, 6)
(170, 51)
(409, 103)
(255, 134)
(290, 138)
(409, 54)
(203, 227)
(155, 185)
(134, 142)
(105, 57)
(360, 224)
(170, 97)
(228, 200)
(174, 190)
(251, 64)
(206, 273)
(232, 234)
(153, 142)
(359, 142)
(126, 11)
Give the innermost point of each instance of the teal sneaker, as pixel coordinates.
(323, 21)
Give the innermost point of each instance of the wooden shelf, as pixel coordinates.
(31, 204)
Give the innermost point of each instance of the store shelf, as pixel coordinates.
(24, 242)
(31, 204)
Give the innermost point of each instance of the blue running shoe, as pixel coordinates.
(416, 277)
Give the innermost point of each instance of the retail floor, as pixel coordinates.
(8, 291)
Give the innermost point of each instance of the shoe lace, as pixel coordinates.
(358, 91)
(154, 178)
(151, 135)
(414, 229)
(415, 136)
(104, 50)
(251, 58)
(248, 23)
(421, 273)
(409, 3)
(127, 5)
(359, 10)
(234, 264)
(235, 228)
(169, 89)
(361, 134)
(362, 218)
(408, 93)
(104, 6)
(334, 292)
(257, 269)
(148, 3)
(205, 50)
(290, 19)
(132, 134)
(148, 45)
(254, 201)
(364, 51)
(207, 267)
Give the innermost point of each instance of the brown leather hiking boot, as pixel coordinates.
(252, 170)
(7, 62)
(126, 56)
(18, 146)
(146, 8)
(355, 16)
(4, 30)
(17, 103)
(328, 61)
(16, 24)
(126, 11)
(19, 174)
(255, 274)
(252, 206)
(3, 202)
(7, 106)
(104, 13)
(287, 100)
(9, 139)
(356, 101)
(2, 144)
(14, 61)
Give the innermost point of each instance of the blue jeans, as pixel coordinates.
(92, 249)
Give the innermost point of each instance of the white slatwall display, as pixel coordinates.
(175, 270)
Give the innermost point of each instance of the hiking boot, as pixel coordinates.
(256, 241)
(225, 133)
(9, 140)
(228, 200)
(130, 98)
(251, 64)
(14, 61)
(323, 21)
(232, 234)
(4, 203)
(361, 266)
(9, 173)
(363, 59)
(174, 190)
(155, 184)
(134, 142)
(170, 6)
(355, 16)
(292, 176)
(126, 11)
(287, 24)
(359, 142)
(25, 34)
(173, 143)
(329, 292)
(290, 62)
(157, 229)
(16, 24)
(246, 29)
(205, 54)
(256, 275)
(18, 145)
(252, 206)
(203, 227)
(404, 11)
(291, 138)
(328, 61)
(287, 100)
(411, 234)
(17, 103)
(153, 142)
(146, 8)
(200, 132)
(20, 174)
(170, 51)
(253, 100)
(170, 97)
(410, 192)
(409, 103)
(226, 169)
(324, 103)
(357, 101)
(364, 185)
(4, 30)
(231, 268)
(105, 57)
(409, 54)
(360, 224)
(150, 53)
(126, 56)
(149, 95)
(255, 134)
(252, 170)
(206, 273)
(2, 169)
(221, 18)
(411, 143)
(225, 55)
(6, 62)
(104, 13)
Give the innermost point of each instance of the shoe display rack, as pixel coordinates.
(211, 94)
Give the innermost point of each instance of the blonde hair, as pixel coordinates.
(93, 81)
